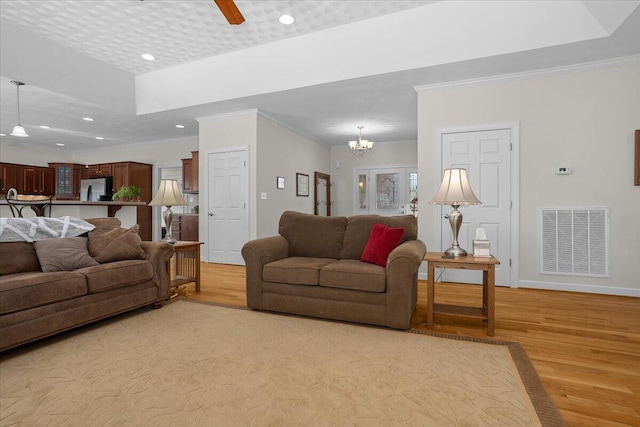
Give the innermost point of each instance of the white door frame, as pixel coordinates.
(205, 213)
(514, 127)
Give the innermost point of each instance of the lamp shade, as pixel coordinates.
(455, 189)
(18, 130)
(168, 194)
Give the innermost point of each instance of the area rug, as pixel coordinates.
(190, 363)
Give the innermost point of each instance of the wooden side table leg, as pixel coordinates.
(430, 295)
(490, 286)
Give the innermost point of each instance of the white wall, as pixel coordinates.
(32, 156)
(219, 133)
(383, 153)
(282, 152)
(581, 118)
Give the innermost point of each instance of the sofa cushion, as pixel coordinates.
(312, 235)
(116, 245)
(117, 275)
(27, 290)
(381, 242)
(359, 227)
(105, 224)
(295, 270)
(63, 254)
(353, 274)
(18, 257)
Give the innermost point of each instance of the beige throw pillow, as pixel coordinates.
(63, 254)
(116, 245)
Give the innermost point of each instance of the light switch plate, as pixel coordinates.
(563, 170)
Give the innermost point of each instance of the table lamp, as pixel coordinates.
(168, 195)
(455, 191)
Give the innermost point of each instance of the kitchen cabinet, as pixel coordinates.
(100, 170)
(37, 180)
(9, 177)
(67, 180)
(190, 173)
(187, 175)
(80, 172)
(140, 175)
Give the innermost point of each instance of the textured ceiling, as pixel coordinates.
(117, 32)
(179, 31)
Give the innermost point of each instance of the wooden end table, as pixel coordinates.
(485, 264)
(187, 265)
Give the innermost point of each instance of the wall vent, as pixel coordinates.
(574, 241)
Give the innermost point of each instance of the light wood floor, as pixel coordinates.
(585, 347)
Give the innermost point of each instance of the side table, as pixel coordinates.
(485, 264)
(184, 266)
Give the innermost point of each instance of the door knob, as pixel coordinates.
(210, 213)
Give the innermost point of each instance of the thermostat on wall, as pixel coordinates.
(563, 170)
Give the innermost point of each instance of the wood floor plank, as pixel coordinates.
(585, 347)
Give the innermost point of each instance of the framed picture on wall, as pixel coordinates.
(302, 185)
(637, 173)
(280, 183)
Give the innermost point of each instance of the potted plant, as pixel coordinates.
(123, 194)
(135, 193)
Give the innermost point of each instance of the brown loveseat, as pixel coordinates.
(35, 304)
(313, 268)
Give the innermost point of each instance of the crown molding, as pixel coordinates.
(230, 114)
(529, 74)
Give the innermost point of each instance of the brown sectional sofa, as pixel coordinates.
(313, 268)
(35, 304)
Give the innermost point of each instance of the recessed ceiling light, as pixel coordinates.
(87, 119)
(180, 126)
(2, 134)
(99, 137)
(59, 144)
(287, 19)
(148, 57)
(45, 127)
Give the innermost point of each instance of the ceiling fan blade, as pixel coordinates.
(230, 11)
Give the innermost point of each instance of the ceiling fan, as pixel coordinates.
(230, 11)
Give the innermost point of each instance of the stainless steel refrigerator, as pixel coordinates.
(96, 189)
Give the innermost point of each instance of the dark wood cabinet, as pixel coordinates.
(187, 174)
(195, 158)
(10, 175)
(67, 180)
(185, 227)
(190, 173)
(140, 175)
(100, 170)
(37, 180)
(80, 172)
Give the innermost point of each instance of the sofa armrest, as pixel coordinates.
(256, 254)
(159, 253)
(402, 282)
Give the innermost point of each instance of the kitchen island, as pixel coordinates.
(126, 212)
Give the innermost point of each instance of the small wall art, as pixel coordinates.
(302, 185)
(280, 183)
(637, 170)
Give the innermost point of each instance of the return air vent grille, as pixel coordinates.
(574, 241)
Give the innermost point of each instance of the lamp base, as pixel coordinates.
(454, 251)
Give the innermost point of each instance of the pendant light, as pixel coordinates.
(18, 129)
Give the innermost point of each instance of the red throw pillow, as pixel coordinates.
(381, 242)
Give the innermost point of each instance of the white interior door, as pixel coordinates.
(387, 195)
(487, 157)
(228, 206)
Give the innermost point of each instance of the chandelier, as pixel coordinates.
(361, 146)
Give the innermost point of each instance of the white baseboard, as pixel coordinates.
(577, 287)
